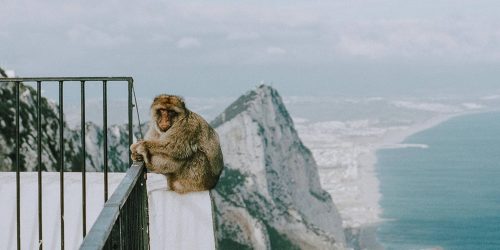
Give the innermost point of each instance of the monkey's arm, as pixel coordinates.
(156, 162)
(134, 155)
(181, 143)
(178, 150)
(169, 154)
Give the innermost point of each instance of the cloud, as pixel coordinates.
(357, 46)
(243, 36)
(95, 37)
(328, 36)
(188, 43)
(4, 34)
(276, 51)
(491, 97)
(160, 37)
(417, 38)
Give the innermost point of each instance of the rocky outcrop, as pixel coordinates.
(269, 195)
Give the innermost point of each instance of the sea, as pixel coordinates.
(446, 195)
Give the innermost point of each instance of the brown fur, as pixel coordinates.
(188, 152)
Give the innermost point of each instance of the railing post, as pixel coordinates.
(130, 121)
(105, 135)
(18, 167)
(61, 157)
(39, 156)
(84, 165)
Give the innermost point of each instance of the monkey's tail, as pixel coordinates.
(137, 110)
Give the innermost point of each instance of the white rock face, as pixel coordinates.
(270, 195)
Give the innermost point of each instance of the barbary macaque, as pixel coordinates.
(181, 145)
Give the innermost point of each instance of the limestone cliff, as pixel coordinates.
(270, 195)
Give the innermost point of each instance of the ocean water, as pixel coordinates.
(446, 195)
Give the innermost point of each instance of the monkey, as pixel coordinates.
(181, 145)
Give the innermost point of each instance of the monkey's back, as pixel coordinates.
(210, 145)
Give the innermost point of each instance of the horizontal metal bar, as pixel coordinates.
(125, 187)
(66, 79)
(100, 231)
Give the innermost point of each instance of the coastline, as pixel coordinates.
(396, 138)
(346, 154)
(347, 166)
(368, 166)
(368, 180)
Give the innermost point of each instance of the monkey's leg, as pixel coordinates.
(195, 176)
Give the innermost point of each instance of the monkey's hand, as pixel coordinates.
(138, 150)
(136, 157)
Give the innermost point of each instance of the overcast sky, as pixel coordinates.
(224, 48)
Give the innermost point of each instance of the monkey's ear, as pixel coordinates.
(178, 105)
(181, 100)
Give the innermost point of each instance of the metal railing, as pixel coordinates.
(130, 196)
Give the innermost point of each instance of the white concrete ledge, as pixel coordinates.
(176, 221)
(51, 208)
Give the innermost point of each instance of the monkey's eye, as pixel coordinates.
(171, 113)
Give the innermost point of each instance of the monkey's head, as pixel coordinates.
(166, 110)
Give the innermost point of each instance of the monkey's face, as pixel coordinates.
(166, 110)
(165, 119)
